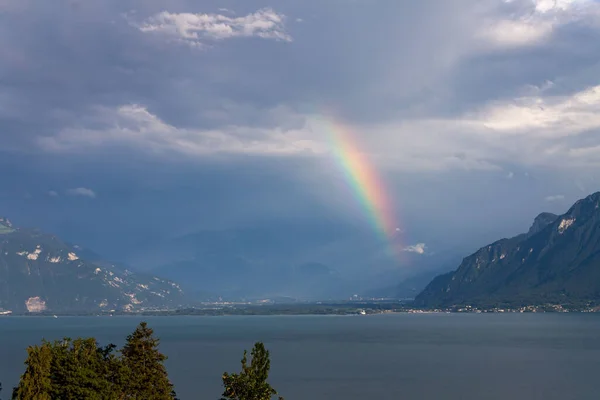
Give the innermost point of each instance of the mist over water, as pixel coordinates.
(438, 356)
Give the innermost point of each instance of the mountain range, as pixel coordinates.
(276, 261)
(556, 261)
(40, 272)
(309, 262)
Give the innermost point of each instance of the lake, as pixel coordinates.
(399, 356)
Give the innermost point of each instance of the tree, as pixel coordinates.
(83, 370)
(80, 369)
(69, 370)
(144, 374)
(251, 383)
(36, 382)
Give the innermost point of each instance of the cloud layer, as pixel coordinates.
(133, 125)
(533, 22)
(471, 112)
(420, 115)
(197, 29)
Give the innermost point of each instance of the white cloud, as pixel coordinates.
(136, 126)
(534, 128)
(416, 145)
(81, 191)
(530, 131)
(517, 33)
(535, 21)
(546, 6)
(53, 193)
(549, 116)
(411, 145)
(556, 197)
(195, 29)
(418, 248)
(510, 175)
(539, 130)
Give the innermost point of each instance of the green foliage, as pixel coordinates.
(80, 369)
(145, 376)
(36, 382)
(251, 383)
(69, 370)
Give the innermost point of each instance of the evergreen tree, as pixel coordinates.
(69, 370)
(251, 383)
(144, 374)
(82, 370)
(36, 382)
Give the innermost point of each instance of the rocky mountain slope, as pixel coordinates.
(558, 260)
(40, 272)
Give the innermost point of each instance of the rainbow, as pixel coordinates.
(364, 180)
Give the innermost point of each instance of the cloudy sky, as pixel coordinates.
(135, 119)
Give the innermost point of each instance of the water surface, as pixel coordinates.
(403, 356)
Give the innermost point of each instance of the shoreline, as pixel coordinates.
(277, 314)
(348, 308)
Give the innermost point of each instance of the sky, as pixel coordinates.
(128, 121)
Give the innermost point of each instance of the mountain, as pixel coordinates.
(540, 222)
(314, 280)
(308, 261)
(278, 260)
(237, 278)
(40, 272)
(408, 287)
(558, 260)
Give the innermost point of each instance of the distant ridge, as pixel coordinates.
(557, 261)
(39, 272)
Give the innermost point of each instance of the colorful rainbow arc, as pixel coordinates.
(363, 178)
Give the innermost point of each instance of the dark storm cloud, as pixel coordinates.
(62, 58)
(427, 86)
(558, 65)
(370, 64)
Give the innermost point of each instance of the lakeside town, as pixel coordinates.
(362, 307)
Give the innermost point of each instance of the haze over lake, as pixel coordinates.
(403, 356)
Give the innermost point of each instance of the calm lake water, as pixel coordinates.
(432, 356)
